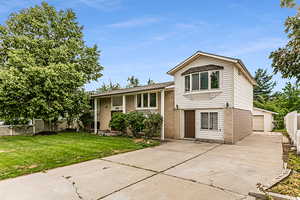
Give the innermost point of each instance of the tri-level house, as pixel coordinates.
(210, 99)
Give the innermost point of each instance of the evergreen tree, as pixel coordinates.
(264, 86)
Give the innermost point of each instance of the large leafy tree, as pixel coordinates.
(132, 81)
(286, 59)
(264, 86)
(44, 63)
(109, 87)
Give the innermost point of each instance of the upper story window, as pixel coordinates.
(117, 101)
(146, 100)
(199, 81)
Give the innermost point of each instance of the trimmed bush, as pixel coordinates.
(118, 122)
(135, 122)
(152, 123)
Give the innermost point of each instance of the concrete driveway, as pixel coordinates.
(175, 170)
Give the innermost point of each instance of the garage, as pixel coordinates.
(258, 122)
(263, 120)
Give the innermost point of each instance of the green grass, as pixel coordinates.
(291, 184)
(21, 155)
(279, 130)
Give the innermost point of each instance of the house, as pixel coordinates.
(263, 120)
(210, 99)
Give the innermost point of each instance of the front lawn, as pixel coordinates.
(21, 155)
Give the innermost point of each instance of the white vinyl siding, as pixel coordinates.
(205, 99)
(213, 134)
(243, 91)
(267, 121)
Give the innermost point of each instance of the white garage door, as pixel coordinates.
(258, 123)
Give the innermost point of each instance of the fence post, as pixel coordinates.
(298, 142)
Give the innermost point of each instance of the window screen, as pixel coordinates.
(152, 99)
(117, 101)
(213, 121)
(145, 100)
(204, 120)
(139, 100)
(204, 81)
(195, 82)
(187, 83)
(215, 79)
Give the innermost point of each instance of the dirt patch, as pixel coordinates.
(32, 166)
(6, 151)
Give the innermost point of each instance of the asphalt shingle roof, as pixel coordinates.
(154, 86)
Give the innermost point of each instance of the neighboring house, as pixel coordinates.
(263, 120)
(211, 99)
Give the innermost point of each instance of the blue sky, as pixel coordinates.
(147, 38)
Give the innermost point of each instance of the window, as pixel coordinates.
(204, 80)
(209, 120)
(152, 99)
(187, 83)
(204, 120)
(117, 101)
(146, 100)
(214, 77)
(195, 81)
(213, 119)
(139, 100)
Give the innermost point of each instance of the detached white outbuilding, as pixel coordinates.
(263, 120)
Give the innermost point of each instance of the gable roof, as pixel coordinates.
(154, 86)
(263, 110)
(239, 63)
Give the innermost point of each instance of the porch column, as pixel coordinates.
(124, 104)
(162, 112)
(95, 116)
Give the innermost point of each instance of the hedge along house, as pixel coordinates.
(211, 99)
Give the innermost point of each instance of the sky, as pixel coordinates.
(147, 38)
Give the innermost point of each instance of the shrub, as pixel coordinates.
(135, 122)
(152, 123)
(118, 122)
(86, 119)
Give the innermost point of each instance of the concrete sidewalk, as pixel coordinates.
(175, 170)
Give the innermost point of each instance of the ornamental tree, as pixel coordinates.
(44, 64)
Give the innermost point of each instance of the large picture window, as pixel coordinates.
(209, 80)
(146, 100)
(209, 120)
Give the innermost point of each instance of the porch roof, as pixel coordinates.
(155, 86)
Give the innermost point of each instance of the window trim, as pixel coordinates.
(142, 101)
(208, 121)
(209, 82)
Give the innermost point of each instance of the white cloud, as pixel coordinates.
(134, 22)
(105, 5)
(254, 46)
(7, 7)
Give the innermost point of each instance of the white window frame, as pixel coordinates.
(209, 82)
(208, 121)
(142, 101)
